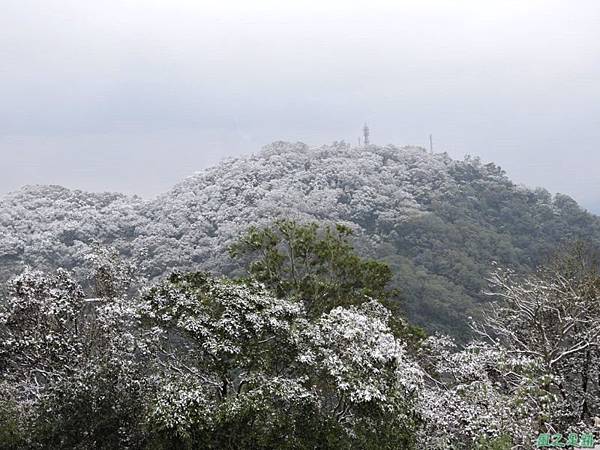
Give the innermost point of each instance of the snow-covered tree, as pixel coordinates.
(224, 349)
(234, 357)
(363, 375)
(475, 396)
(71, 363)
(552, 317)
(534, 368)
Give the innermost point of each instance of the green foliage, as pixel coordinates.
(318, 264)
(103, 407)
(261, 419)
(11, 422)
(242, 368)
(315, 263)
(499, 443)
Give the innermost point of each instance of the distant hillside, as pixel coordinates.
(440, 223)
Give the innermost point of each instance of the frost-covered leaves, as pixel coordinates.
(535, 369)
(220, 324)
(48, 329)
(270, 412)
(353, 352)
(225, 352)
(202, 216)
(364, 378)
(71, 363)
(101, 405)
(208, 362)
(48, 227)
(476, 394)
(39, 329)
(109, 274)
(199, 360)
(551, 317)
(232, 353)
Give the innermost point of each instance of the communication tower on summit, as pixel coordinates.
(366, 134)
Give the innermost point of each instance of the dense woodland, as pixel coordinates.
(339, 297)
(438, 223)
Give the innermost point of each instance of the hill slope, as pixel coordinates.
(440, 223)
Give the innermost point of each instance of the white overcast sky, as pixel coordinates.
(133, 95)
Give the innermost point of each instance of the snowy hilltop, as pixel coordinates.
(439, 223)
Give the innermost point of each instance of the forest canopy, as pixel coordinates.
(438, 223)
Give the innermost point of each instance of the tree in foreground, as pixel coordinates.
(315, 263)
(68, 365)
(553, 318)
(299, 355)
(243, 368)
(534, 367)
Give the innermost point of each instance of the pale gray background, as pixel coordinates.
(134, 95)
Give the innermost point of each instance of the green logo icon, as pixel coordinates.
(585, 440)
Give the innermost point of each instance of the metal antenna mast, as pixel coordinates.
(366, 134)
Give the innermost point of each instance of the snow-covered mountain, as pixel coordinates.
(440, 223)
